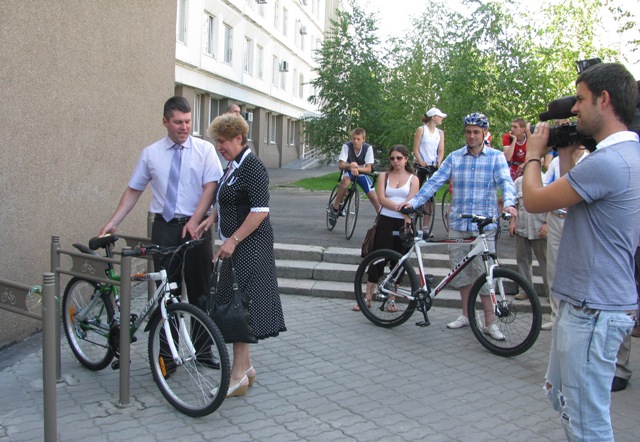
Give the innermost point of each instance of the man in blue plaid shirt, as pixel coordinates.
(476, 172)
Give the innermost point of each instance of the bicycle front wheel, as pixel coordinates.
(351, 212)
(384, 302)
(518, 322)
(446, 208)
(196, 387)
(332, 198)
(86, 316)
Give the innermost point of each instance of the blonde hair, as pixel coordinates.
(228, 126)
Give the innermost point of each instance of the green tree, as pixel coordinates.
(348, 83)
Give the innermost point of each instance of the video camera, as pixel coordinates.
(560, 108)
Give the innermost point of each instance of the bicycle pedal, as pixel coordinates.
(423, 323)
(115, 365)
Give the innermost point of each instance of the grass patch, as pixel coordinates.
(328, 182)
(324, 182)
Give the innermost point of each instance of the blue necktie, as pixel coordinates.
(172, 186)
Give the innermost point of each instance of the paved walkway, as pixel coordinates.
(333, 376)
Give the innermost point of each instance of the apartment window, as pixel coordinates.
(214, 109)
(275, 72)
(197, 113)
(297, 36)
(276, 15)
(272, 129)
(247, 63)
(292, 132)
(295, 77)
(250, 123)
(228, 43)
(301, 86)
(283, 80)
(260, 62)
(210, 35)
(285, 19)
(181, 25)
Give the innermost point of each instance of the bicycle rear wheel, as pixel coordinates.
(194, 387)
(446, 208)
(390, 278)
(88, 338)
(351, 208)
(518, 321)
(332, 198)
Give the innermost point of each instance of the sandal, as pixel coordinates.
(391, 306)
(356, 308)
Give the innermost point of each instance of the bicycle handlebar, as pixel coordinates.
(150, 249)
(478, 219)
(429, 167)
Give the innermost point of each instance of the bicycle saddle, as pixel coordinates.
(96, 243)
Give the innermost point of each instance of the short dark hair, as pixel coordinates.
(618, 82)
(176, 103)
(520, 122)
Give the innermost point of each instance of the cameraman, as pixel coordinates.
(594, 281)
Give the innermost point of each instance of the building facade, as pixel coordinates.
(258, 54)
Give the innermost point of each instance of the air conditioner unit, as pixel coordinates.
(248, 116)
(303, 30)
(284, 66)
(261, 2)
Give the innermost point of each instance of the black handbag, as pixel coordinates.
(232, 318)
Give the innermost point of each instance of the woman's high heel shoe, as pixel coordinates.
(239, 389)
(251, 374)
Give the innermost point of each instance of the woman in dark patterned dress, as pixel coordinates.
(245, 228)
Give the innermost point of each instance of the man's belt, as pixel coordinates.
(180, 220)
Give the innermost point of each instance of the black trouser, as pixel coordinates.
(197, 261)
(197, 273)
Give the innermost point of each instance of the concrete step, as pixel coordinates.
(329, 272)
(339, 264)
(343, 255)
(345, 290)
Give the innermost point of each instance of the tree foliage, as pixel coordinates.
(349, 81)
(496, 58)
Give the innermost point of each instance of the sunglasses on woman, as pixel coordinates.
(396, 158)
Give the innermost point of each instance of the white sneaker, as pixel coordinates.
(494, 332)
(462, 321)
(547, 326)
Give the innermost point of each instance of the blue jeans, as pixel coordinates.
(582, 364)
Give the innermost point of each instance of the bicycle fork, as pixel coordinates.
(499, 307)
(184, 337)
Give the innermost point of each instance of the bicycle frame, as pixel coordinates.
(163, 293)
(481, 248)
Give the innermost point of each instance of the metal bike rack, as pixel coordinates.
(92, 268)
